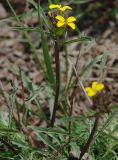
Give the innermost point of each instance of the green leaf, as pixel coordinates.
(20, 17)
(102, 66)
(4, 130)
(80, 1)
(50, 130)
(46, 140)
(31, 29)
(79, 40)
(12, 102)
(46, 54)
(75, 148)
(47, 60)
(108, 121)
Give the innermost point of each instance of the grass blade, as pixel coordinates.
(47, 60)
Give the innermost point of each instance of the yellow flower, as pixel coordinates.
(63, 22)
(96, 87)
(58, 6)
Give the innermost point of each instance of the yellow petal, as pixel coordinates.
(60, 18)
(53, 6)
(72, 25)
(97, 86)
(60, 24)
(90, 91)
(65, 8)
(94, 84)
(71, 19)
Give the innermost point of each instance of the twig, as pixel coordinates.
(57, 66)
(83, 89)
(89, 141)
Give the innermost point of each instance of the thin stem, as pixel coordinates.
(89, 141)
(57, 70)
(66, 58)
(59, 151)
(18, 113)
(70, 104)
(70, 122)
(23, 97)
(73, 72)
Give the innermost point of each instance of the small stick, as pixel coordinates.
(82, 87)
(89, 100)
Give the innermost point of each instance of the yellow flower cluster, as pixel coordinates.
(96, 87)
(56, 6)
(61, 21)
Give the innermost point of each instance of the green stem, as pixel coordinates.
(57, 70)
(49, 1)
(66, 57)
